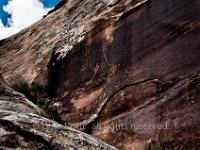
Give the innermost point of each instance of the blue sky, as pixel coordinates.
(3, 14)
(18, 14)
(50, 3)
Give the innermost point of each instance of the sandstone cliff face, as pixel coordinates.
(58, 32)
(128, 71)
(22, 126)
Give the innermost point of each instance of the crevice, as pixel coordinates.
(114, 4)
(136, 7)
(89, 127)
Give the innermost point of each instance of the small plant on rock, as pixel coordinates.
(34, 92)
(155, 145)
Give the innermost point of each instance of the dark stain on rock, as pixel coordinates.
(159, 39)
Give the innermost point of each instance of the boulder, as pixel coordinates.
(24, 127)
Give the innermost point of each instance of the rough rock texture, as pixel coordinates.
(137, 71)
(128, 71)
(58, 32)
(23, 127)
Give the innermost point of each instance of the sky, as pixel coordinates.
(16, 15)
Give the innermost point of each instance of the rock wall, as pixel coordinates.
(58, 32)
(126, 71)
(136, 71)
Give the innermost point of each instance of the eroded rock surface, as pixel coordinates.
(22, 126)
(136, 71)
(128, 71)
(57, 33)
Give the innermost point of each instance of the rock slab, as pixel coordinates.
(24, 127)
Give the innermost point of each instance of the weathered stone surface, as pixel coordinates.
(126, 70)
(58, 32)
(160, 112)
(22, 126)
(136, 70)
